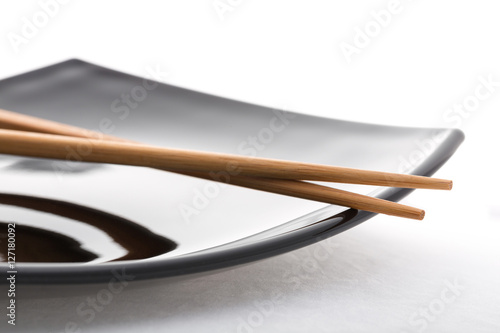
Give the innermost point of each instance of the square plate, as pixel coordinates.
(79, 222)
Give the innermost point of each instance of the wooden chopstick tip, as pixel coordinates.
(444, 184)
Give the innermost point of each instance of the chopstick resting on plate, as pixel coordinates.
(53, 140)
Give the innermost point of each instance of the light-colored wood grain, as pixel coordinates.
(305, 190)
(16, 121)
(186, 160)
(98, 148)
(104, 151)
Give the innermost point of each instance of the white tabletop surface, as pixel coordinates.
(423, 61)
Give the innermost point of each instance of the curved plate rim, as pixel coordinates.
(200, 262)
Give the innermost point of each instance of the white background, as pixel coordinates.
(428, 57)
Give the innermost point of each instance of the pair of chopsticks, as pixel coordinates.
(30, 136)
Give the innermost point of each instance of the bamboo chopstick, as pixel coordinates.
(22, 143)
(103, 151)
(124, 152)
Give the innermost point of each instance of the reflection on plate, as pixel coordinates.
(35, 244)
(158, 224)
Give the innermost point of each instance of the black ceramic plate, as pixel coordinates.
(79, 222)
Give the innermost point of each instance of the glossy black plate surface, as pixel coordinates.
(81, 223)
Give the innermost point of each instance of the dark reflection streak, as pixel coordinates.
(47, 165)
(140, 242)
(36, 245)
